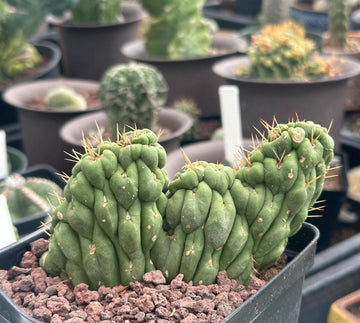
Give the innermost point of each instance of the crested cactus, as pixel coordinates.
(283, 52)
(132, 94)
(116, 223)
(338, 23)
(176, 29)
(103, 232)
(103, 11)
(64, 97)
(29, 196)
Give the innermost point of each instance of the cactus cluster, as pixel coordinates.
(27, 196)
(116, 223)
(64, 97)
(283, 52)
(132, 93)
(176, 29)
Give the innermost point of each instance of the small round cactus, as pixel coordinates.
(64, 97)
(29, 195)
(132, 95)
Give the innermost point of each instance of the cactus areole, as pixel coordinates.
(115, 222)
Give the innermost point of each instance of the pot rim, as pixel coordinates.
(236, 44)
(12, 95)
(65, 132)
(127, 8)
(224, 67)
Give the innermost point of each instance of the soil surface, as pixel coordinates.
(53, 300)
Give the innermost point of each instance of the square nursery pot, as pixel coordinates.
(336, 273)
(278, 301)
(31, 223)
(346, 309)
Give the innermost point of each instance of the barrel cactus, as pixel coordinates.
(283, 52)
(64, 97)
(27, 196)
(132, 94)
(116, 223)
(176, 29)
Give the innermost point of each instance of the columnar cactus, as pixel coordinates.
(103, 231)
(338, 23)
(64, 97)
(29, 196)
(283, 52)
(176, 29)
(95, 11)
(275, 11)
(131, 94)
(116, 223)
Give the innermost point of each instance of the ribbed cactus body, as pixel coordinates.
(103, 232)
(176, 29)
(275, 11)
(132, 94)
(29, 196)
(338, 23)
(116, 223)
(95, 11)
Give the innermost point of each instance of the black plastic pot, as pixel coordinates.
(89, 49)
(51, 69)
(72, 131)
(320, 100)
(31, 223)
(278, 301)
(336, 273)
(40, 127)
(191, 77)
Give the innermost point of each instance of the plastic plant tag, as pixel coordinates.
(7, 233)
(3, 155)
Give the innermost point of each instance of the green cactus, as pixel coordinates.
(132, 93)
(283, 52)
(64, 97)
(176, 29)
(338, 23)
(30, 195)
(103, 232)
(116, 223)
(103, 11)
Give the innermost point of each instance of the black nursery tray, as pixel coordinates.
(31, 223)
(278, 301)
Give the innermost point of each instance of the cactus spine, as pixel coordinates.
(132, 94)
(116, 223)
(338, 23)
(64, 97)
(176, 29)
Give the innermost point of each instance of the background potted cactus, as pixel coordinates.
(131, 94)
(92, 33)
(42, 112)
(181, 39)
(212, 218)
(277, 76)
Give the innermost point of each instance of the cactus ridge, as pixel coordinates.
(116, 223)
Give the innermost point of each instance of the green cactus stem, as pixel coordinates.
(132, 94)
(338, 23)
(64, 97)
(116, 223)
(176, 29)
(29, 195)
(275, 11)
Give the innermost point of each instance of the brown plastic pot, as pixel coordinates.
(89, 49)
(320, 100)
(192, 77)
(40, 128)
(72, 131)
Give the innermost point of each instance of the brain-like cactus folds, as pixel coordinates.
(116, 223)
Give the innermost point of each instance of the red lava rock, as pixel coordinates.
(3, 275)
(6, 287)
(16, 271)
(39, 246)
(189, 319)
(25, 284)
(58, 305)
(38, 275)
(94, 309)
(145, 303)
(155, 277)
(177, 282)
(29, 260)
(42, 314)
(204, 306)
(83, 295)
